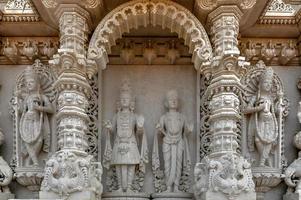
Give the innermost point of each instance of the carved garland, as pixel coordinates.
(137, 13)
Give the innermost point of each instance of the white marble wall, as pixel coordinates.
(150, 83)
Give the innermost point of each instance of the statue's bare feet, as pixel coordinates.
(120, 190)
(168, 189)
(177, 189)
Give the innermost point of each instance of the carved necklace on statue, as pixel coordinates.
(124, 124)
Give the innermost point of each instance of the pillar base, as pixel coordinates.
(292, 196)
(125, 196)
(6, 196)
(172, 195)
(83, 195)
(209, 195)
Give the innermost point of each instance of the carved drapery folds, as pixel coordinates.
(175, 129)
(265, 110)
(71, 171)
(166, 14)
(32, 109)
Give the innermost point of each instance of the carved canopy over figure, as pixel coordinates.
(265, 106)
(174, 128)
(125, 156)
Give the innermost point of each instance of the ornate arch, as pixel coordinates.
(164, 13)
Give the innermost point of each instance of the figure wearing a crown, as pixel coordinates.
(125, 155)
(34, 125)
(263, 128)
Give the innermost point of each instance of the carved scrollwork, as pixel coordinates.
(92, 111)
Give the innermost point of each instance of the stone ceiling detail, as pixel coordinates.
(281, 13)
(87, 3)
(20, 11)
(279, 8)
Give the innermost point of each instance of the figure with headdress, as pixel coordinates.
(34, 126)
(263, 125)
(125, 155)
(176, 155)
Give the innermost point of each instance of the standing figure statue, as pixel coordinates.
(6, 173)
(263, 128)
(125, 156)
(34, 126)
(176, 155)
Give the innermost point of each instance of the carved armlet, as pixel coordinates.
(252, 110)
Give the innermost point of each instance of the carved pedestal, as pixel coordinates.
(30, 177)
(217, 195)
(265, 179)
(172, 195)
(83, 195)
(6, 196)
(125, 196)
(291, 196)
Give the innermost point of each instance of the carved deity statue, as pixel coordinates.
(293, 171)
(125, 155)
(263, 125)
(34, 125)
(6, 173)
(175, 129)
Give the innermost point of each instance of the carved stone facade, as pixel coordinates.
(140, 99)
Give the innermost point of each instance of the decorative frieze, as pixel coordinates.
(86, 3)
(272, 51)
(212, 4)
(19, 50)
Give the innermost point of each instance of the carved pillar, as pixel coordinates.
(71, 172)
(224, 173)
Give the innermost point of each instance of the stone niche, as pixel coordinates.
(149, 86)
(8, 76)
